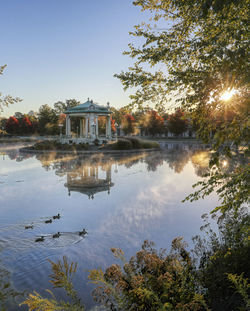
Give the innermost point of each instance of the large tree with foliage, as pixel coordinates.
(61, 107)
(48, 120)
(152, 123)
(128, 124)
(12, 125)
(198, 51)
(176, 123)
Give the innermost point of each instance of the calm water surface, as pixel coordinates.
(121, 201)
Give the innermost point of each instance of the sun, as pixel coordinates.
(227, 95)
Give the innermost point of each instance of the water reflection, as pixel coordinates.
(136, 197)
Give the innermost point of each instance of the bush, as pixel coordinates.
(122, 144)
(224, 259)
(151, 280)
(55, 145)
(136, 142)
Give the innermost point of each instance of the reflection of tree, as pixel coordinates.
(154, 160)
(13, 153)
(176, 155)
(177, 158)
(200, 161)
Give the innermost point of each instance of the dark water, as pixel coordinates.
(121, 201)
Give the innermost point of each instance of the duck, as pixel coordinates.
(48, 221)
(56, 216)
(40, 239)
(56, 235)
(83, 232)
(29, 227)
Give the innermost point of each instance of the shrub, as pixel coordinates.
(55, 145)
(224, 259)
(122, 144)
(136, 142)
(151, 280)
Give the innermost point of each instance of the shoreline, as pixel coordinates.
(26, 150)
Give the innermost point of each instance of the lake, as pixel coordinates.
(120, 200)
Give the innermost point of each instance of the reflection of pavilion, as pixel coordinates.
(86, 180)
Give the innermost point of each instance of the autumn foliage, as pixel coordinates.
(23, 125)
(177, 123)
(151, 280)
(12, 125)
(128, 124)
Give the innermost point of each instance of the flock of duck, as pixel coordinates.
(56, 235)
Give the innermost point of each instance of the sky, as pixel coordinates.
(62, 49)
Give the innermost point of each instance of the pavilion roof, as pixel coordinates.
(89, 107)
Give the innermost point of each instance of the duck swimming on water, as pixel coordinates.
(56, 235)
(83, 232)
(48, 221)
(56, 216)
(29, 227)
(40, 239)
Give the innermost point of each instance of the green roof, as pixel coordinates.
(88, 107)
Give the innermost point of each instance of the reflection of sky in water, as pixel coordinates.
(135, 198)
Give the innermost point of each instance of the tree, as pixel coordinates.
(201, 48)
(25, 126)
(12, 125)
(48, 120)
(61, 107)
(176, 123)
(7, 99)
(128, 126)
(118, 114)
(154, 123)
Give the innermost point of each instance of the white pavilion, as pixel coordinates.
(88, 131)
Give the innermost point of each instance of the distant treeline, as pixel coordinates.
(51, 121)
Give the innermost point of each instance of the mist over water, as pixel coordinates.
(120, 201)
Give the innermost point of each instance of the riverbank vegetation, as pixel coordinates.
(126, 143)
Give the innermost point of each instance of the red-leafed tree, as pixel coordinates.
(12, 125)
(155, 123)
(113, 128)
(128, 124)
(177, 123)
(25, 126)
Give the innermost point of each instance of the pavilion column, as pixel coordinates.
(80, 134)
(83, 127)
(108, 127)
(97, 127)
(68, 126)
(110, 132)
(86, 126)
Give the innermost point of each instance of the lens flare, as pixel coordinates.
(227, 95)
